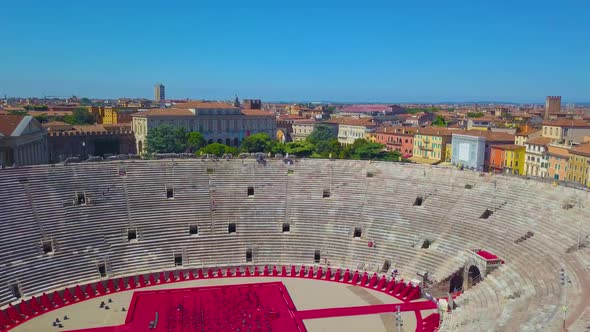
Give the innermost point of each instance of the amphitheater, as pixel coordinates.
(493, 246)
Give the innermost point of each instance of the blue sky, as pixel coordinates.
(370, 51)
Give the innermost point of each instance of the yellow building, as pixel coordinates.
(115, 115)
(430, 144)
(449, 152)
(514, 159)
(579, 165)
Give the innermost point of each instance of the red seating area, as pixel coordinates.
(28, 309)
(260, 307)
(487, 254)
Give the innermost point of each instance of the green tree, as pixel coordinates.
(36, 107)
(259, 142)
(300, 148)
(17, 112)
(85, 102)
(217, 149)
(195, 141)
(439, 121)
(321, 132)
(475, 114)
(80, 116)
(42, 118)
(365, 150)
(166, 139)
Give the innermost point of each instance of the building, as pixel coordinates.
(350, 129)
(82, 141)
(397, 138)
(116, 115)
(471, 148)
(558, 162)
(285, 126)
(579, 165)
(23, 141)
(468, 151)
(536, 158)
(218, 122)
(159, 92)
(525, 133)
(420, 119)
(430, 144)
(254, 104)
(552, 105)
(566, 131)
(483, 123)
(508, 158)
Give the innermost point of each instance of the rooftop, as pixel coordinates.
(203, 104)
(582, 149)
(539, 141)
(558, 151)
(8, 123)
(572, 123)
(164, 112)
(511, 147)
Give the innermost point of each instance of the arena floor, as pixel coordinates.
(322, 306)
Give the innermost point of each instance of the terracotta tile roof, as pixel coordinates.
(432, 131)
(291, 117)
(164, 112)
(204, 104)
(349, 121)
(254, 112)
(557, 151)
(508, 147)
(582, 149)
(567, 123)
(539, 141)
(397, 130)
(488, 135)
(8, 123)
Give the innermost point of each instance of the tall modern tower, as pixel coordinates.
(159, 92)
(552, 105)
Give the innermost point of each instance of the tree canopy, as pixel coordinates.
(259, 142)
(166, 139)
(80, 116)
(195, 141)
(36, 107)
(362, 149)
(217, 149)
(475, 114)
(17, 112)
(439, 121)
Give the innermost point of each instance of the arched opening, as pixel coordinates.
(219, 140)
(236, 141)
(140, 147)
(227, 141)
(456, 283)
(474, 275)
(210, 141)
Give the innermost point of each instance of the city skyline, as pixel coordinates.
(379, 52)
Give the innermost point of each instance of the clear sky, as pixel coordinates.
(369, 51)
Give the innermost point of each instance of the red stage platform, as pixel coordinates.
(261, 307)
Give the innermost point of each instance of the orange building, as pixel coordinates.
(558, 162)
(507, 158)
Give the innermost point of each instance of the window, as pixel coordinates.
(487, 213)
(316, 256)
(15, 290)
(178, 259)
(426, 244)
(131, 234)
(210, 170)
(468, 186)
(418, 201)
(386, 266)
(286, 227)
(47, 246)
(289, 172)
(169, 193)
(326, 193)
(193, 229)
(248, 255)
(102, 269)
(81, 198)
(370, 174)
(231, 228)
(357, 232)
(250, 191)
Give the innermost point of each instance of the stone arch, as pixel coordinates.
(456, 283)
(473, 275)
